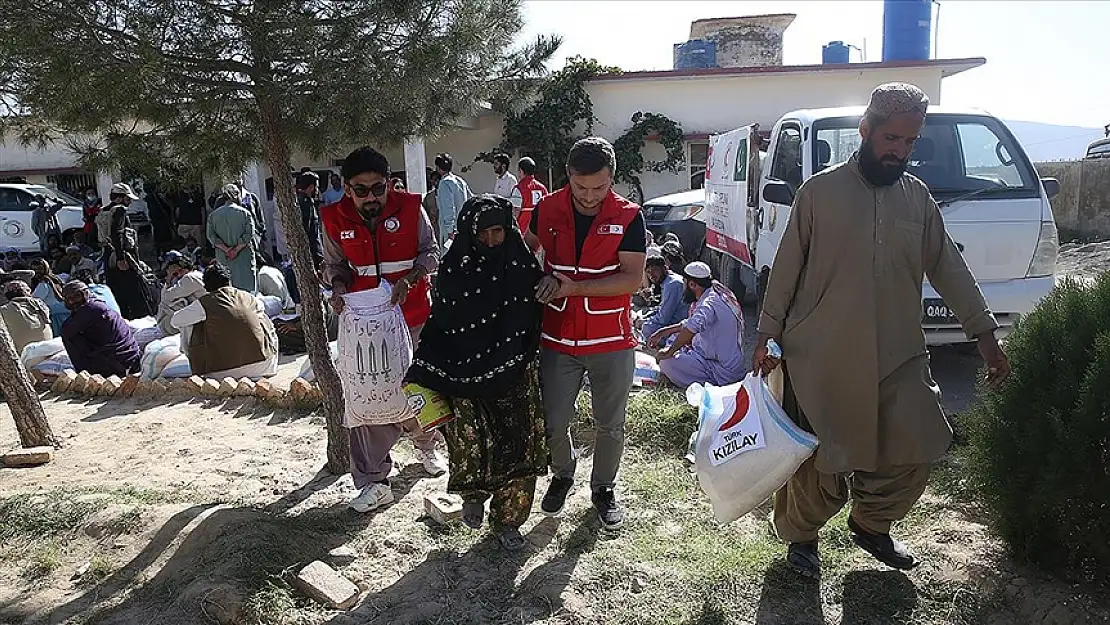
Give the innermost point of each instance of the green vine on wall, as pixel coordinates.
(560, 106)
(548, 125)
(630, 148)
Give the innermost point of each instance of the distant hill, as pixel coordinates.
(1048, 142)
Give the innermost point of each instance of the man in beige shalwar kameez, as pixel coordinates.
(861, 236)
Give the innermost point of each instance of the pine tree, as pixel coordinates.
(212, 85)
(19, 394)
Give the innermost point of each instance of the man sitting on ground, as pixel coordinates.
(672, 309)
(74, 263)
(97, 290)
(271, 283)
(230, 336)
(96, 337)
(27, 318)
(184, 285)
(708, 345)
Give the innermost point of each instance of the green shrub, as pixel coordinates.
(1038, 453)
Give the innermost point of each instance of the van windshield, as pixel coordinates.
(955, 154)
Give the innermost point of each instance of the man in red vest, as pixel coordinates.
(527, 193)
(594, 245)
(377, 233)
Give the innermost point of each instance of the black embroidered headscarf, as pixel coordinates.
(485, 323)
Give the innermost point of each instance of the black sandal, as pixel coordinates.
(804, 559)
(511, 539)
(473, 514)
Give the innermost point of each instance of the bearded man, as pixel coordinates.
(844, 303)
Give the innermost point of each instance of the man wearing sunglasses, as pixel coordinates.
(376, 233)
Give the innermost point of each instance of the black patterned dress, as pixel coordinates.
(497, 448)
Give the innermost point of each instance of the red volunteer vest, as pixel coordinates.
(531, 192)
(388, 253)
(586, 325)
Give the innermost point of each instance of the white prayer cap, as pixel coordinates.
(698, 271)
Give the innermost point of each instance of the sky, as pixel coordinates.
(1046, 61)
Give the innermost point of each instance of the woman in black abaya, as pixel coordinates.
(479, 348)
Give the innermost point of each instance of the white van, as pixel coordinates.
(994, 205)
(16, 216)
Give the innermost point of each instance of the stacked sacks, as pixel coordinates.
(158, 354)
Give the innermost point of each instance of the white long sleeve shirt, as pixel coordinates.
(504, 185)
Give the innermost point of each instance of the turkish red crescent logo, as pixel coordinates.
(742, 405)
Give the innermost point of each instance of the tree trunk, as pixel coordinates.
(312, 304)
(20, 395)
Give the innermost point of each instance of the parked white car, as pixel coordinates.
(15, 215)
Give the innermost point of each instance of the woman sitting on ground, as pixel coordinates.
(479, 348)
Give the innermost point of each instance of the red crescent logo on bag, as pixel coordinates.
(742, 405)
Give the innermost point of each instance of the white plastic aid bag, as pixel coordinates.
(158, 354)
(375, 350)
(34, 353)
(746, 446)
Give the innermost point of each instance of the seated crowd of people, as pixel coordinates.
(97, 300)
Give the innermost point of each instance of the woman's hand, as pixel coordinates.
(546, 289)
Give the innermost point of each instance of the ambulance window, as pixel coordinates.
(786, 165)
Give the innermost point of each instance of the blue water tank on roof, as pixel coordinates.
(695, 54)
(835, 52)
(907, 30)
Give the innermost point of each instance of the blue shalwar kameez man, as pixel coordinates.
(715, 356)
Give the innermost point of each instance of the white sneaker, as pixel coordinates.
(433, 463)
(371, 498)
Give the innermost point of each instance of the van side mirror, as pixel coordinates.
(777, 192)
(1051, 187)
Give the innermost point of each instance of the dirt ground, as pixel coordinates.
(195, 513)
(191, 513)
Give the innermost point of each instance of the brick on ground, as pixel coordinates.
(317, 394)
(227, 387)
(263, 389)
(176, 386)
(326, 586)
(28, 456)
(194, 384)
(444, 509)
(245, 388)
(64, 381)
(158, 388)
(95, 384)
(145, 387)
(129, 385)
(299, 389)
(211, 388)
(80, 383)
(111, 386)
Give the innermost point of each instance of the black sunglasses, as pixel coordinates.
(361, 190)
